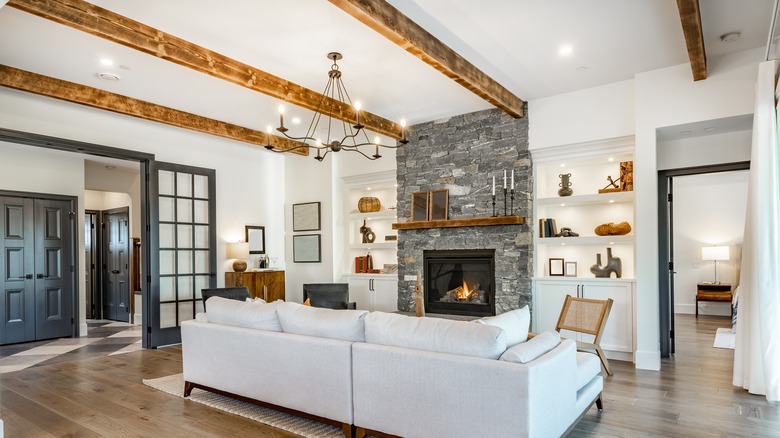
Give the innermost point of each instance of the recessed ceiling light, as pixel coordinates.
(565, 50)
(709, 128)
(611, 159)
(563, 205)
(106, 61)
(582, 69)
(108, 76)
(730, 37)
(685, 132)
(563, 164)
(296, 120)
(611, 201)
(368, 188)
(110, 167)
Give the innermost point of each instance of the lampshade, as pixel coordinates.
(238, 250)
(715, 253)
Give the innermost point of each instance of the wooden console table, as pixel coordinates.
(720, 292)
(273, 281)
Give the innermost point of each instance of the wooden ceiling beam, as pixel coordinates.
(690, 17)
(93, 97)
(400, 29)
(103, 23)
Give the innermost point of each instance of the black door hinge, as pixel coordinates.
(72, 321)
(671, 266)
(671, 334)
(149, 330)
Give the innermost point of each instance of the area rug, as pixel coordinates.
(724, 338)
(174, 385)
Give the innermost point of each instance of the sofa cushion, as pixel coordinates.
(346, 325)
(533, 348)
(588, 367)
(435, 334)
(515, 323)
(243, 314)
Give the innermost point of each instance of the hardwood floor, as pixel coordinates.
(104, 396)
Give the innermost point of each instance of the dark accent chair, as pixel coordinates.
(240, 293)
(328, 295)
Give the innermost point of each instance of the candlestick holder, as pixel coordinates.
(494, 206)
(512, 201)
(505, 190)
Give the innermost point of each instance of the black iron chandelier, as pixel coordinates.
(352, 136)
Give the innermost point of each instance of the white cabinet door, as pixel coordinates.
(549, 297)
(385, 294)
(619, 332)
(358, 292)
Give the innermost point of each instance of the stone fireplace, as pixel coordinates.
(462, 154)
(459, 282)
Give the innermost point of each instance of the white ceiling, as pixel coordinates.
(514, 41)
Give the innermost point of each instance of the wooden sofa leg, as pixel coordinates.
(599, 404)
(188, 387)
(360, 432)
(349, 430)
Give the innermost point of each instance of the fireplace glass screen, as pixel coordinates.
(460, 282)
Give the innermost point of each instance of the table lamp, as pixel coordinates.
(238, 251)
(715, 253)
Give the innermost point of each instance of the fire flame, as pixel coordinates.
(464, 294)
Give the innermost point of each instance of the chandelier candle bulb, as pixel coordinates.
(357, 112)
(281, 119)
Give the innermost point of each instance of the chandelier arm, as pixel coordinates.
(361, 153)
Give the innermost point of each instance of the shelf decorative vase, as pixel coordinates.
(369, 205)
(614, 264)
(565, 185)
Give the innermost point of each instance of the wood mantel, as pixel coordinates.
(453, 223)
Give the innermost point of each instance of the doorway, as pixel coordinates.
(37, 298)
(696, 206)
(91, 251)
(115, 256)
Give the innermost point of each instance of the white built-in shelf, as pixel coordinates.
(381, 214)
(375, 245)
(586, 240)
(592, 199)
(591, 278)
(392, 276)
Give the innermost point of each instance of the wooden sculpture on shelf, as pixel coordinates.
(614, 264)
(418, 298)
(368, 235)
(613, 229)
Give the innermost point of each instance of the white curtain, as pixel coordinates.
(757, 352)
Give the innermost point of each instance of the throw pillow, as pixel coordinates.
(307, 302)
(242, 314)
(256, 301)
(535, 347)
(515, 323)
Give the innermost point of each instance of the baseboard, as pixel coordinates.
(705, 308)
(83, 329)
(137, 319)
(648, 360)
(619, 355)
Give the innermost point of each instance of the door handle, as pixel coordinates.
(40, 276)
(28, 276)
(115, 271)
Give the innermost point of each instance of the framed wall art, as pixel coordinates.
(439, 204)
(556, 267)
(306, 216)
(571, 269)
(420, 206)
(306, 248)
(255, 235)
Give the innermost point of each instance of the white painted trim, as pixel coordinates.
(616, 145)
(385, 177)
(648, 360)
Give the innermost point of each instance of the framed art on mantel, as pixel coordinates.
(306, 216)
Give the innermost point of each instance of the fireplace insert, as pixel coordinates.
(460, 282)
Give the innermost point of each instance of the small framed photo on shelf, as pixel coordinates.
(556, 267)
(571, 269)
(420, 206)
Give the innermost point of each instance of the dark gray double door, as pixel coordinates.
(36, 273)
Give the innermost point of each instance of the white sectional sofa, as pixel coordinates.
(381, 373)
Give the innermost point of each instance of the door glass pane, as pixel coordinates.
(167, 290)
(185, 287)
(185, 262)
(184, 184)
(186, 311)
(201, 236)
(183, 210)
(201, 282)
(185, 236)
(202, 262)
(167, 315)
(202, 212)
(201, 186)
(166, 210)
(167, 262)
(166, 182)
(167, 236)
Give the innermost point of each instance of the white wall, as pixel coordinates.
(249, 188)
(730, 147)
(709, 210)
(655, 99)
(118, 180)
